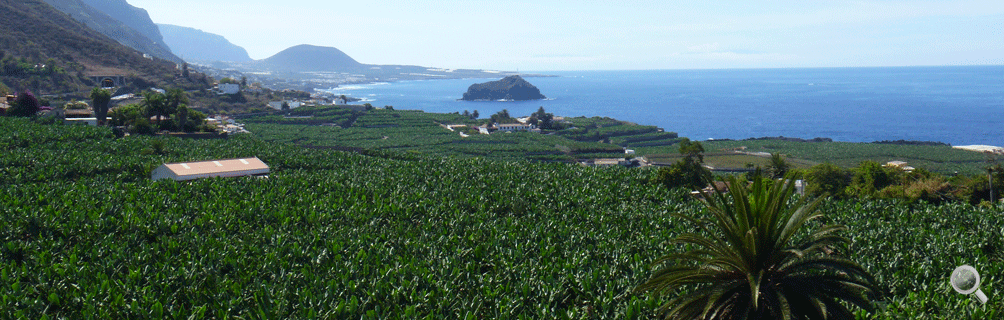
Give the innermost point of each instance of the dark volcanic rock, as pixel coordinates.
(509, 88)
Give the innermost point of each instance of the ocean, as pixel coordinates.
(956, 105)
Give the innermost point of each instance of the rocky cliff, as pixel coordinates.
(120, 21)
(509, 88)
(197, 45)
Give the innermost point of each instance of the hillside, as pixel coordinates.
(112, 27)
(307, 58)
(137, 19)
(49, 52)
(196, 45)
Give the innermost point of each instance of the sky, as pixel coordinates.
(545, 35)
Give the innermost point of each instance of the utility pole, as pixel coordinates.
(990, 176)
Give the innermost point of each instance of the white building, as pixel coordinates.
(293, 104)
(183, 171)
(229, 88)
(85, 121)
(510, 127)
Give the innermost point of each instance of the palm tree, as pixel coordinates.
(155, 104)
(743, 264)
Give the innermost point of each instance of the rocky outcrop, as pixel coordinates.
(509, 88)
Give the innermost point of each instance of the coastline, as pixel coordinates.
(951, 105)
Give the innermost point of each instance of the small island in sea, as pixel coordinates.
(509, 88)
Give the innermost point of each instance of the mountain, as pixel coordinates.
(136, 18)
(509, 88)
(308, 58)
(197, 45)
(48, 51)
(114, 28)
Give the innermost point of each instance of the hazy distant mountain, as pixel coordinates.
(110, 19)
(306, 58)
(196, 45)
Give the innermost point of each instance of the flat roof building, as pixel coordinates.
(183, 171)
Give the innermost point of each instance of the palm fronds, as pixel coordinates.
(744, 264)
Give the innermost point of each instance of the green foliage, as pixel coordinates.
(778, 167)
(347, 236)
(826, 179)
(869, 178)
(154, 104)
(25, 105)
(100, 99)
(746, 262)
(502, 117)
(689, 172)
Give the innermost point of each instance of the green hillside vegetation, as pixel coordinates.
(342, 235)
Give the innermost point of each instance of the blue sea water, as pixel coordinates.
(956, 105)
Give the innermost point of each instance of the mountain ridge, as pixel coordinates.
(197, 45)
(103, 22)
(47, 50)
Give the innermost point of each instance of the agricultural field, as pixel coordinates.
(420, 133)
(337, 235)
(728, 161)
(941, 159)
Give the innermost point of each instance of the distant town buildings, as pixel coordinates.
(277, 105)
(229, 88)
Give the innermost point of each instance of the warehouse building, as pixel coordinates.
(184, 171)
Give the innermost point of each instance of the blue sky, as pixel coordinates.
(606, 35)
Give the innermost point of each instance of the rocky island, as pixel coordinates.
(509, 88)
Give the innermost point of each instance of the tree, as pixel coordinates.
(388, 107)
(184, 70)
(502, 117)
(244, 81)
(100, 98)
(778, 167)
(183, 118)
(744, 262)
(869, 177)
(285, 105)
(25, 105)
(826, 179)
(689, 172)
(345, 100)
(155, 104)
(692, 150)
(174, 98)
(474, 115)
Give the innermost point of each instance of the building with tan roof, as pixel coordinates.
(184, 171)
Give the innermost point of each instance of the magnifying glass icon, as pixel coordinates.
(966, 280)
